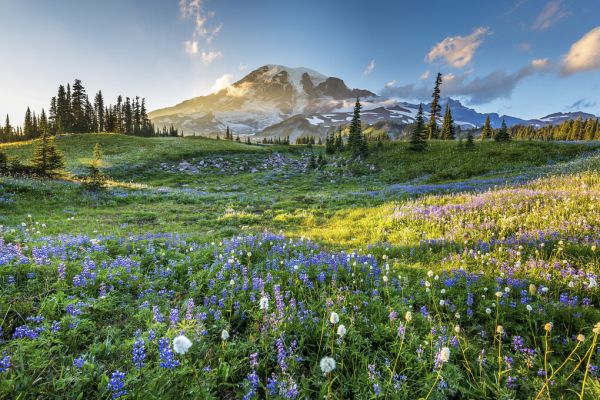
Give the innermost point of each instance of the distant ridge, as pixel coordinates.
(275, 100)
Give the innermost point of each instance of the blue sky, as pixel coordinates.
(525, 58)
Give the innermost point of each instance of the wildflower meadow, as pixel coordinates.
(487, 293)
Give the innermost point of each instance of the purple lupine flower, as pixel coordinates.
(79, 362)
(167, 359)
(189, 314)
(23, 331)
(116, 384)
(156, 315)
(253, 385)
(139, 353)
(62, 272)
(174, 317)
(4, 363)
(102, 293)
(55, 327)
(254, 360)
(281, 355)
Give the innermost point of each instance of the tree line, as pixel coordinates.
(573, 129)
(71, 111)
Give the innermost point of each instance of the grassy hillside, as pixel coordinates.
(252, 188)
(443, 274)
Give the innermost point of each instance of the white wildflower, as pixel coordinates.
(327, 364)
(444, 354)
(334, 318)
(181, 344)
(224, 334)
(264, 303)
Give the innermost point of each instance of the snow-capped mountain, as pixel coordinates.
(278, 101)
(264, 97)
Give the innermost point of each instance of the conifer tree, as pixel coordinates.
(355, 136)
(417, 139)
(28, 124)
(502, 134)
(96, 179)
(470, 144)
(448, 125)
(78, 107)
(47, 160)
(99, 109)
(43, 125)
(52, 116)
(432, 127)
(330, 143)
(487, 133)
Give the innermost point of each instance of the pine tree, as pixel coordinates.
(52, 116)
(47, 160)
(43, 125)
(502, 134)
(119, 115)
(577, 129)
(78, 107)
(96, 179)
(330, 143)
(487, 133)
(432, 127)
(99, 109)
(355, 136)
(127, 117)
(417, 139)
(8, 129)
(448, 125)
(470, 144)
(28, 124)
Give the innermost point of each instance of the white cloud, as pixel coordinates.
(391, 83)
(425, 75)
(584, 54)
(458, 51)
(193, 10)
(550, 14)
(369, 68)
(478, 90)
(191, 47)
(222, 83)
(210, 56)
(243, 67)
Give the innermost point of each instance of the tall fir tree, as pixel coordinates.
(28, 125)
(47, 160)
(502, 135)
(78, 107)
(52, 116)
(486, 132)
(43, 124)
(432, 126)
(448, 131)
(417, 138)
(99, 109)
(356, 140)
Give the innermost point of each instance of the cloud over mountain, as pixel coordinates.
(584, 54)
(478, 90)
(457, 51)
